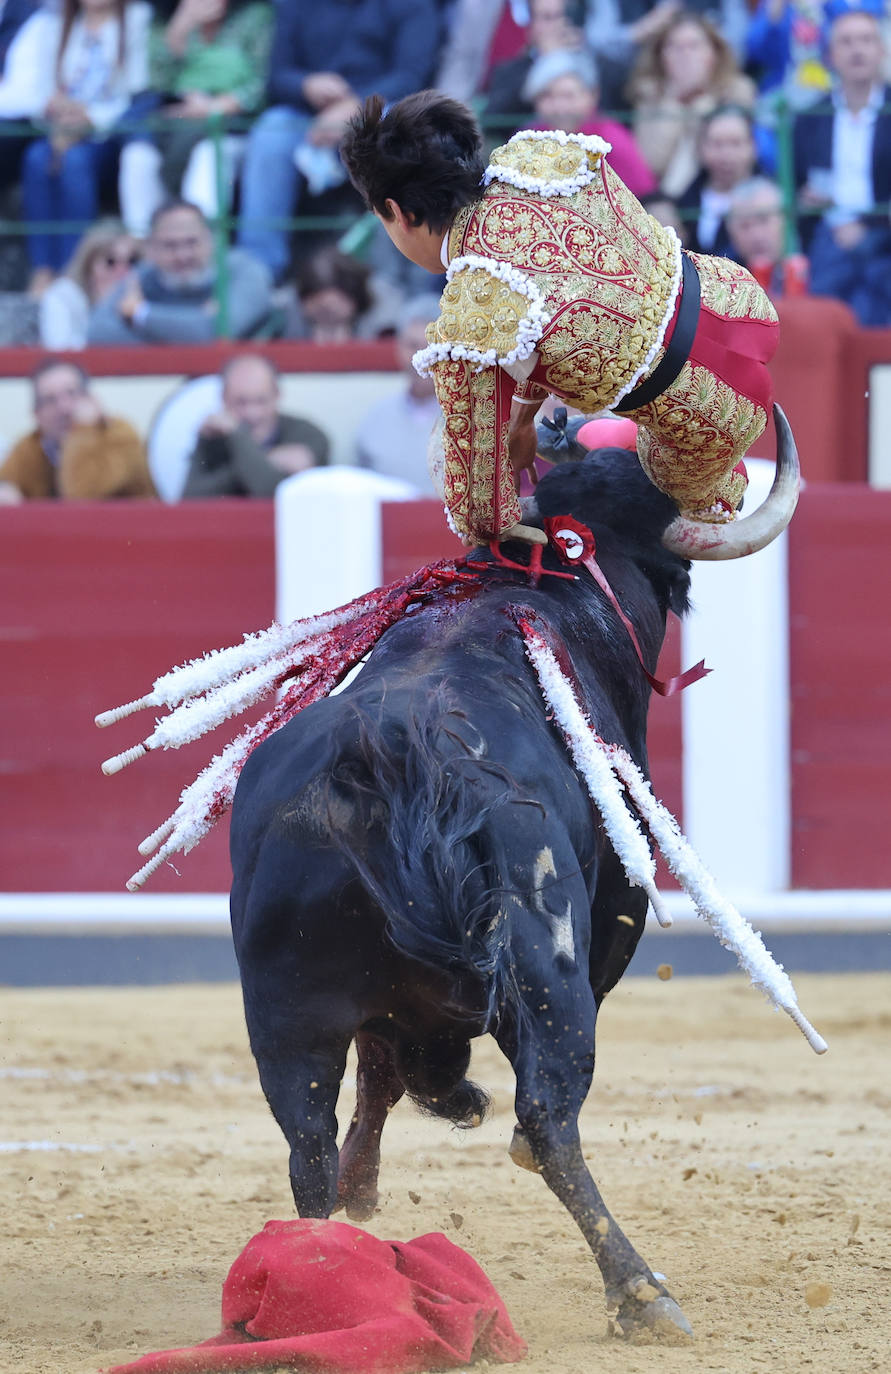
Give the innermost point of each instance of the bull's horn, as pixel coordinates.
(697, 539)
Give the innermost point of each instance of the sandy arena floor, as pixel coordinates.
(139, 1157)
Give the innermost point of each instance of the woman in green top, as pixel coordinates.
(209, 59)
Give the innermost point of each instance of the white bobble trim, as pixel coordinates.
(544, 186)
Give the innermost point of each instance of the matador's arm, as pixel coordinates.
(478, 477)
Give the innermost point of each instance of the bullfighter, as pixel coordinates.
(559, 282)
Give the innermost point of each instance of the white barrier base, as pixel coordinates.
(328, 537)
(208, 913)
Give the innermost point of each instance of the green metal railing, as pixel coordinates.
(357, 229)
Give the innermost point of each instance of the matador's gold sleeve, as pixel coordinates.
(479, 484)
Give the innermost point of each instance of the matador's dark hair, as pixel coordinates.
(424, 152)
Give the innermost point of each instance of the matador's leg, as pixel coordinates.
(693, 437)
(691, 442)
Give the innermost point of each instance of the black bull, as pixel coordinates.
(417, 862)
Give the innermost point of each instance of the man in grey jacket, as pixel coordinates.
(171, 296)
(249, 446)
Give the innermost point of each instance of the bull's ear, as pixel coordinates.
(678, 581)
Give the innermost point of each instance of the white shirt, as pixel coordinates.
(90, 70)
(27, 81)
(64, 314)
(853, 136)
(29, 78)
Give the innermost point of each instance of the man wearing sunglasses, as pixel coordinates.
(172, 295)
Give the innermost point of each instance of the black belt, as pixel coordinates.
(678, 350)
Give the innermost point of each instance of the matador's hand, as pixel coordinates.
(523, 441)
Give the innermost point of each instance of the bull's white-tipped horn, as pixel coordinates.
(128, 709)
(121, 761)
(697, 539)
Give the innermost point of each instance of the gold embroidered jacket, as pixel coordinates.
(593, 278)
(558, 282)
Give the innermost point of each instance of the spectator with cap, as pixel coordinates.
(171, 296)
(842, 153)
(393, 435)
(563, 87)
(728, 155)
(248, 446)
(756, 231)
(75, 451)
(326, 59)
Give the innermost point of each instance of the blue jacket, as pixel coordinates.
(379, 46)
(812, 147)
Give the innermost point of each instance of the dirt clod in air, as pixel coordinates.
(817, 1294)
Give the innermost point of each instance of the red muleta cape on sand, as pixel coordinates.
(324, 1297)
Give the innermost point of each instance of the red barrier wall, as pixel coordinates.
(106, 598)
(97, 601)
(840, 677)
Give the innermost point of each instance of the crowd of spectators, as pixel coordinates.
(231, 436)
(169, 169)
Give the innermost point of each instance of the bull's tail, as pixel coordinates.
(430, 855)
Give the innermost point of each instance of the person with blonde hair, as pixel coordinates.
(104, 256)
(683, 73)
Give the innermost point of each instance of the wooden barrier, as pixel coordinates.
(107, 597)
(98, 600)
(840, 681)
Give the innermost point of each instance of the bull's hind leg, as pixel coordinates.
(552, 1050)
(377, 1091)
(301, 1057)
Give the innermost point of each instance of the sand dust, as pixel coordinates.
(139, 1157)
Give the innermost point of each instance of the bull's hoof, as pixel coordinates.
(357, 1195)
(361, 1209)
(359, 1206)
(646, 1314)
(520, 1151)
